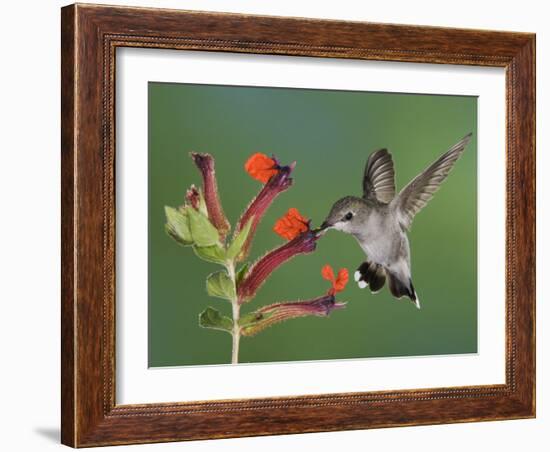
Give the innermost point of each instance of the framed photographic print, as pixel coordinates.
(281, 225)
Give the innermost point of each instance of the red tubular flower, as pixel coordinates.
(258, 273)
(261, 167)
(291, 224)
(205, 164)
(192, 196)
(277, 183)
(338, 283)
(279, 312)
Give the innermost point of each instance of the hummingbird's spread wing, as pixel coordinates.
(379, 177)
(421, 189)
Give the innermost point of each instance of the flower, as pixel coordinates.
(205, 164)
(263, 267)
(261, 167)
(338, 283)
(279, 312)
(291, 224)
(193, 197)
(278, 183)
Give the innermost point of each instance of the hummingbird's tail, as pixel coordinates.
(400, 289)
(374, 276)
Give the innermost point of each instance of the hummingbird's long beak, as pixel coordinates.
(322, 229)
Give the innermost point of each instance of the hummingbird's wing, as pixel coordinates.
(379, 177)
(421, 189)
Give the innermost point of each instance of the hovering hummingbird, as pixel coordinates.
(380, 219)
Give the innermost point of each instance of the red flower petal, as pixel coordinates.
(338, 283)
(291, 224)
(341, 280)
(327, 273)
(261, 167)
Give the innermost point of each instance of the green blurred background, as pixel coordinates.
(330, 134)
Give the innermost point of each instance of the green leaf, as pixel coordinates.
(219, 285)
(211, 318)
(202, 204)
(214, 253)
(239, 240)
(177, 225)
(239, 276)
(202, 231)
(170, 231)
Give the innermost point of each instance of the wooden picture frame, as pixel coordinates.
(90, 36)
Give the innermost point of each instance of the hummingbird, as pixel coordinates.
(380, 220)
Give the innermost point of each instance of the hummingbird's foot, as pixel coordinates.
(370, 275)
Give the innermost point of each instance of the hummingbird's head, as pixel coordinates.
(346, 215)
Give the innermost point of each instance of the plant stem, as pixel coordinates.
(236, 334)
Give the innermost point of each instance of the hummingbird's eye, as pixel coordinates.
(348, 216)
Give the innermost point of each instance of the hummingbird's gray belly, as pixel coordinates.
(379, 249)
(385, 243)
